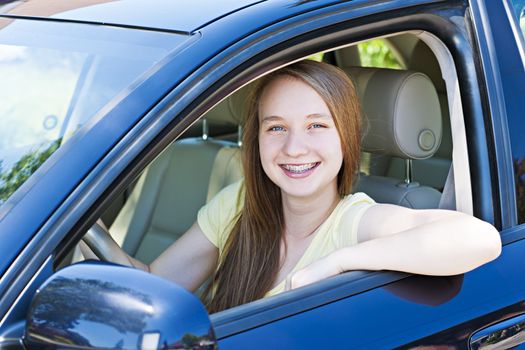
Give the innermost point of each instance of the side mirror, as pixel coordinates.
(105, 306)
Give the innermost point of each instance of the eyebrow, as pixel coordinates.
(319, 116)
(310, 116)
(270, 119)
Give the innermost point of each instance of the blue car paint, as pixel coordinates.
(359, 317)
(103, 293)
(503, 67)
(184, 15)
(392, 316)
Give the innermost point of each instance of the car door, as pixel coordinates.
(389, 310)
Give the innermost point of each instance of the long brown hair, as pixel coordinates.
(250, 262)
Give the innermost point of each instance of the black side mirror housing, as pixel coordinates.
(105, 306)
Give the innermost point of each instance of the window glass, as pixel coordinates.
(57, 76)
(377, 53)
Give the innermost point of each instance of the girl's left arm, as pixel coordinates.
(426, 242)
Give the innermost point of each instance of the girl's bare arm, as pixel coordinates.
(428, 242)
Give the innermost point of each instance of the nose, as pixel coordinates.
(296, 144)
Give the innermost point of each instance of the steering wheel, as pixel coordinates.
(99, 240)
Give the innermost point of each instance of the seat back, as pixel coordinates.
(403, 119)
(165, 201)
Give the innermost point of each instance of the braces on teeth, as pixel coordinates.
(299, 168)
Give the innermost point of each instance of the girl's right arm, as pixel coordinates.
(189, 261)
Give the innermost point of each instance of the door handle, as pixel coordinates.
(508, 334)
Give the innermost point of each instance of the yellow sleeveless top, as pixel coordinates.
(216, 220)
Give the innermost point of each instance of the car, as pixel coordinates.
(127, 114)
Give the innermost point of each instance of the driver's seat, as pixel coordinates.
(165, 201)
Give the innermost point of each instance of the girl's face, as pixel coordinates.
(300, 148)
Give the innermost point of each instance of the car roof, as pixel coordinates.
(167, 15)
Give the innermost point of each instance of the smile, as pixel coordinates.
(299, 168)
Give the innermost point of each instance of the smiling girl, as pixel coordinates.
(293, 220)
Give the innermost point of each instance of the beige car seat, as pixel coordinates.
(432, 171)
(402, 119)
(165, 201)
(417, 57)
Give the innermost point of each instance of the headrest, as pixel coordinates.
(347, 57)
(238, 102)
(231, 110)
(401, 111)
(221, 113)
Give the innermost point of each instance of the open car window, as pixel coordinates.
(163, 202)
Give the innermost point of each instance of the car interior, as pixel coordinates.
(406, 150)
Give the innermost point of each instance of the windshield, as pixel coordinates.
(57, 76)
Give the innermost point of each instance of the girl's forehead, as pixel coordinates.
(286, 85)
(290, 97)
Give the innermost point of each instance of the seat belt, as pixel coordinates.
(448, 196)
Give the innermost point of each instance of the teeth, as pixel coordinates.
(299, 168)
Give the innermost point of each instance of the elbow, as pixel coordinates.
(488, 242)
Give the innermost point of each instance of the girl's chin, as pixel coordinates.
(301, 191)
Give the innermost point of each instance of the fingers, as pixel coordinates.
(288, 283)
(298, 279)
(314, 272)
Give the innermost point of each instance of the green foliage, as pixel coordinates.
(317, 57)
(373, 53)
(376, 53)
(191, 341)
(13, 178)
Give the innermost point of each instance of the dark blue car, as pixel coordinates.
(127, 115)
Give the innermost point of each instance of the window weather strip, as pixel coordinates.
(460, 160)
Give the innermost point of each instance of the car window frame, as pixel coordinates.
(325, 291)
(231, 321)
(259, 312)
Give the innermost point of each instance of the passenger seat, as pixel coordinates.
(402, 119)
(432, 171)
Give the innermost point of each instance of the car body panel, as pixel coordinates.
(503, 72)
(404, 311)
(179, 16)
